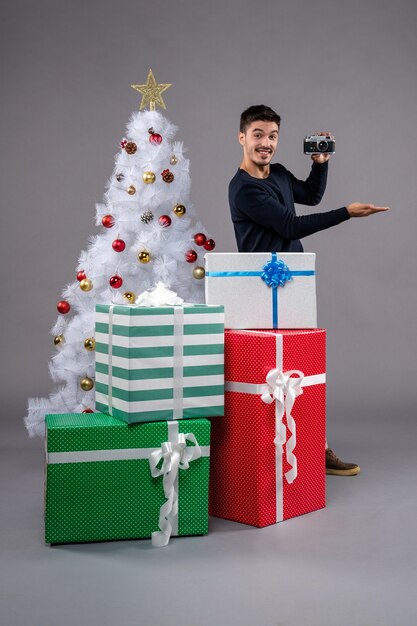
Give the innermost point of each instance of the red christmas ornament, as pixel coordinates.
(164, 221)
(108, 221)
(200, 239)
(155, 139)
(118, 245)
(123, 143)
(210, 244)
(81, 275)
(63, 306)
(116, 281)
(190, 256)
(88, 411)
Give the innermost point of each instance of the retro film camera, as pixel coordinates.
(319, 144)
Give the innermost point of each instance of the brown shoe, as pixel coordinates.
(336, 467)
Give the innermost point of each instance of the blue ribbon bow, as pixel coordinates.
(275, 273)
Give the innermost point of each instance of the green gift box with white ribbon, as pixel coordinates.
(106, 480)
(159, 363)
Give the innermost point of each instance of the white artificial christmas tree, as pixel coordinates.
(147, 234)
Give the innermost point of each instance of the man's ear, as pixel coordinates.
(241, 138)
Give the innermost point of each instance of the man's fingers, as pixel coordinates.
(373, 208)
(362, 209)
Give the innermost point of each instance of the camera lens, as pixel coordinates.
(322, 146)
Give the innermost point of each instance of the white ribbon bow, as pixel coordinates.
(159, 295)
(174, 455)
(283, 389)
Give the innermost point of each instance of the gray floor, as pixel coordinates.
(353, 563)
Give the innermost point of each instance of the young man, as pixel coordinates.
(262, 197)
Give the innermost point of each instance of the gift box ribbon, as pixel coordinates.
(280, 387)
(178, 361)
(175, 455)
(275, 274)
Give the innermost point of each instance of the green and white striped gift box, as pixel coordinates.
(159, 363)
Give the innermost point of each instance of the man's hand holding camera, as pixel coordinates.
(323, 157)
(325, 147)
(320, 158)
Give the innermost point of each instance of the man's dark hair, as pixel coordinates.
(258, 112)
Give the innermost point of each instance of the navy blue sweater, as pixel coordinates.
(263, 211)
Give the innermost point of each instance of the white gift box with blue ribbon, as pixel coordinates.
(263, 289)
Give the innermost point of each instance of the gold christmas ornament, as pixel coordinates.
(173, 160)
(144, 256)
(148, 178)
(132, 190)
(179, 210)
(86, 383)
(58, 340)
(151, 93)
(130, 296)
(90, 344)
(198, 272)
(86, 284)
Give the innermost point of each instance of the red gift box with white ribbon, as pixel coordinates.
(268, 461)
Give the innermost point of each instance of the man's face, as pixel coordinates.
(259, 142)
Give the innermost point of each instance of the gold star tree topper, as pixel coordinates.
(151, 93)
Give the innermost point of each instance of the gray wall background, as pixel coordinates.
(349, 67)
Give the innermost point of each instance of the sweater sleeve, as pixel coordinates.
(311, 190)
(261, 207)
